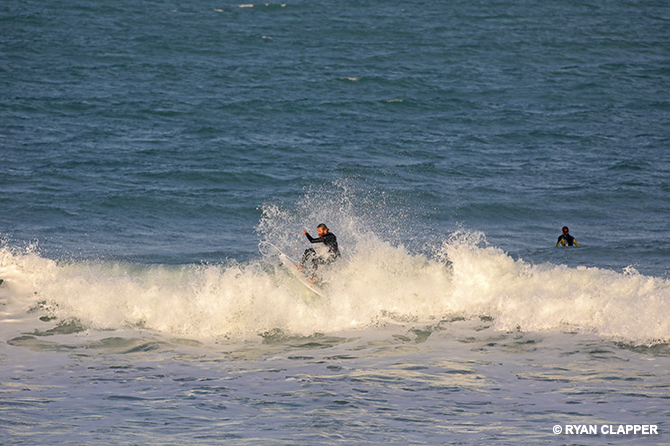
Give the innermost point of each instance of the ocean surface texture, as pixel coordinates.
(157, 155)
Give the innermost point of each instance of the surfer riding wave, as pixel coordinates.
(311, 259)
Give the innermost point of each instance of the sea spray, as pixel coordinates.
(352, 212)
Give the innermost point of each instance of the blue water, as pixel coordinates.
(149, 147)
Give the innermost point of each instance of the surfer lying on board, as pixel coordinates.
(311, 259)
(566, 239)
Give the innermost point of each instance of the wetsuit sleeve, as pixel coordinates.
(561, 241)
(575, 242)
(312, 239)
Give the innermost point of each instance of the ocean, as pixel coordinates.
(152, 149)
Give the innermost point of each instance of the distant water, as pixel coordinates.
(148, 148)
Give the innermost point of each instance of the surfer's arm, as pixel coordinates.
(312, 239)
(575, 242)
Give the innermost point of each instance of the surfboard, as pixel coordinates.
(292, 267)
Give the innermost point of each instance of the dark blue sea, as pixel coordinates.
(153, 150)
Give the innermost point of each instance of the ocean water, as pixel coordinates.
(150, 148)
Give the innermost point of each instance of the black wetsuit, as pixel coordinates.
(330, 241)
(566, 240)
(311, 260)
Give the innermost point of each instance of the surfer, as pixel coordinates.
(310, 259)
(566, 239)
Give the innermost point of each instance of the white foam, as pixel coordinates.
(377, 283)
(620, 305)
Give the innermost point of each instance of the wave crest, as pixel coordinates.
(376, 283)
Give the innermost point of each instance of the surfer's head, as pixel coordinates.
(322, 229)
(565, 230)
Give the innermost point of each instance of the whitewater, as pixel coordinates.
(375, 285)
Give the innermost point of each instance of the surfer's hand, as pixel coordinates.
(299, 267)
(304, 232)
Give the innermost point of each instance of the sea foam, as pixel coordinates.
(375, 284)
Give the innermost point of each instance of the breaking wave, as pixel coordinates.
(376, 283)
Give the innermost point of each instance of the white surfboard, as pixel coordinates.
(292, 267)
